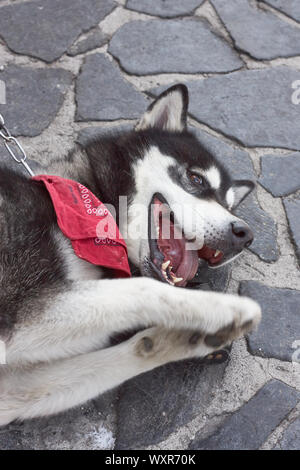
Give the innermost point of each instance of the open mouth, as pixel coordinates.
(172, 258)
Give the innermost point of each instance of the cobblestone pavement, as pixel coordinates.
(76, 67)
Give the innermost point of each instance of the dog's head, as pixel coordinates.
(188, 196)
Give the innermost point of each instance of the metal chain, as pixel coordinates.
(11, 144)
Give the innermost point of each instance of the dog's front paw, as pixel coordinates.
(233, 317)
(239, 316)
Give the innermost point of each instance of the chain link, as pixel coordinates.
(12, 144)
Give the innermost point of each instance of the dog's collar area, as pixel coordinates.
(88, 224)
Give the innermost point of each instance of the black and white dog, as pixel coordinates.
(58, 313)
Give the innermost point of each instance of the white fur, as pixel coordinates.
(78, 322)
(213, 177)
(77, 269)
(230, 198)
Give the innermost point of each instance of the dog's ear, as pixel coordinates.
(168, 112)
(238, 191)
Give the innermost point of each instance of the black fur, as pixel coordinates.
(29, 259)
(111, 160)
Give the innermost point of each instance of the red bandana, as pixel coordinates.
(91, 228)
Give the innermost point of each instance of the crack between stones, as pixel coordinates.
(280, 14)
(81, 125)
(46, 62)
(233, 41)
(238, 142)
(202, 74)
(160, 17)
(291, 236)
(239, 50)
(281, 423)
(266, 358)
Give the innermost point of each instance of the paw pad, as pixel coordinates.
(194, 339)
(220, 337)
(147, 343)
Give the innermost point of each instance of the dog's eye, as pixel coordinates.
(196, 179)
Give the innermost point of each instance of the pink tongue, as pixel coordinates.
(188, 268)
(174, 247)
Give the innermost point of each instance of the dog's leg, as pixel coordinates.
(45, 389)
(83, 318)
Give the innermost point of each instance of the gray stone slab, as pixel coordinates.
(158, 46)
(81, 428)
(252, 106)
(92, 41)
(103, 94)
(292, 208)
(211, 279)
(46, 28)
(33, 97)
(249, 427)
(280, 175)
(291, 437)
(264, 228)
(154, 405)
(289, 7)
(280, 325)
(259, 33)
(164, 8)
(236, 161)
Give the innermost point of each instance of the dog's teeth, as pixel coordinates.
(177, 279)
(165, 264)
(217, 252)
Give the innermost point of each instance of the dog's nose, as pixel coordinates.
(242, 235)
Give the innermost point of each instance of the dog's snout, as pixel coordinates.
(242, 235)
